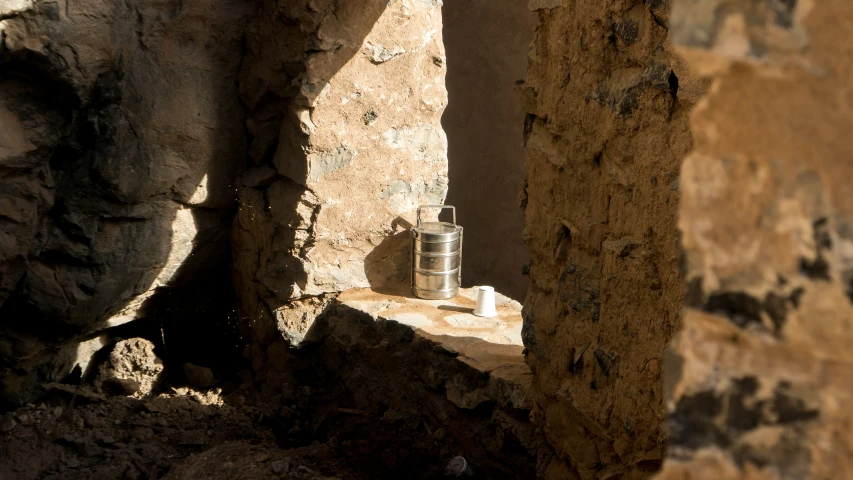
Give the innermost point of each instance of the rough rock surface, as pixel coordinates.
(120, 135)
(132, 360)
(606, 127)
(758, 382)
(242, 461)
(345, 99)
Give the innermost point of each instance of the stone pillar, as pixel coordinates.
(345, 99)
(606, 128)
(758, 382)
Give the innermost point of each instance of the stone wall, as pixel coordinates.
(345, 99)
(120, 135)
(758, 382)
(124, 129)
(487, 43)
(606, 127)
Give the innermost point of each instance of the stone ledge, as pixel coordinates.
(490, 347)
(453, 317)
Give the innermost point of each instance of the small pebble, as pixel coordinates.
(7, 423)
(117, 422)
(440, 434)
(458, 466)
(281, 466)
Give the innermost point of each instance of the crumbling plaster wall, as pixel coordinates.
(606, 103)
(345, 98)
(487, 43)
(759, 380)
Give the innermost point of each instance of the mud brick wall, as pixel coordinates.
(758, 383)
(606, 127)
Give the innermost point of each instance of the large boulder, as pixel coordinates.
(120, 135)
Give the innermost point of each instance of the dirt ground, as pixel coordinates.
(234, 430)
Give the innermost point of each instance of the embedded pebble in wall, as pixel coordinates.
(380, 54)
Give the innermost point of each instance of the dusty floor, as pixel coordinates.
(234, 430)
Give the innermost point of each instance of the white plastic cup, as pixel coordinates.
(485, 302)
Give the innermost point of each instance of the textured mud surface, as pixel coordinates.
(606, 127)
(434, 357)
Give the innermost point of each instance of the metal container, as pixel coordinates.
(436, 257)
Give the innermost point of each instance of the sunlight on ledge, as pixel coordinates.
(452, 317)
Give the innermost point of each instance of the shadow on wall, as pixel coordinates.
(388, 265)
(125, 181)
(486, 44)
